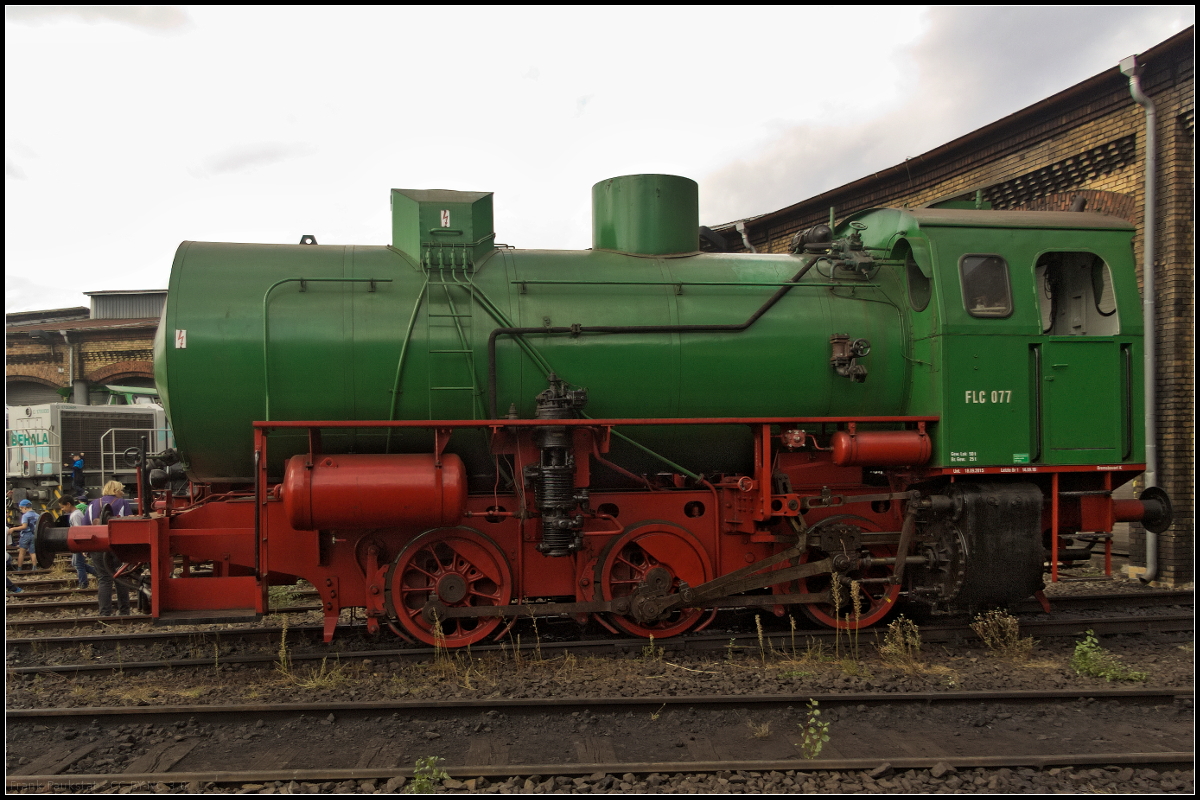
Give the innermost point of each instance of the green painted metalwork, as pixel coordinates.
(266, 321)
(442, 228)
(339, 351)
(646, 214)
(412, 321)
(1008, 394)
(455, 372)
(776, 284)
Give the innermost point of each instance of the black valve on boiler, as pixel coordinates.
(845, 354)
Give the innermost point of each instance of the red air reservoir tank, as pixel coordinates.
(374, 491)
(881, 448)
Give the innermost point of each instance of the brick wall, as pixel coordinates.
(32, 358)
(103, 351)
(100, 356)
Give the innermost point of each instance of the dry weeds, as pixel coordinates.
(1001, 634)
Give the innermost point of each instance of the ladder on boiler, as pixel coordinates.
(454, 391)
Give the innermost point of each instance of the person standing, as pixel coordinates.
(29, 519)
(76, 465)
(105, 563)
(71, 516)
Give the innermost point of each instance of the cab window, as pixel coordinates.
(985, 285)
(1075, 295)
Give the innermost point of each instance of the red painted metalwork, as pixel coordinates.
(1128, 510)
(1054, 505)
(1108, 541)
(357, 527)
(1034, 470)
(865, 598)
(374, 491)
(498, 424)
(376, 577)
(459, 567)
(655, 551)
(881, 448)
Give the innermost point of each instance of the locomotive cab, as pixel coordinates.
(1027, 340)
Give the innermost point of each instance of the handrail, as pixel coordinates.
(1037, 402)
(266, 322)
(412, 320)
(838, 284)
(538, 359)
(162, 440)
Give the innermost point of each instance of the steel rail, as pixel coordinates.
(693, 644)
(240, 710)
(1144, 599)
(63, 622)
(29, 600)
(57, 623)
(28, 596)
(1139, 599)
(1147, 599)
(20, 605)
(49, 605)
(239, 714)
(642, 768)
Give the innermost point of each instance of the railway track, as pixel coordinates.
(41, 600)
(73, 623)
(616, 736)
(19, 607)
(693, 644)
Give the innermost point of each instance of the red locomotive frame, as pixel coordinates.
(656, 560)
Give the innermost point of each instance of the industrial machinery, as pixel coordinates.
(40, 440)
(449, 433)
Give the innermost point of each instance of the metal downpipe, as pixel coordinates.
(1130, 68)
(741, 228)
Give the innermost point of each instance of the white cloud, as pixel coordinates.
(974, 65)
(22, 293)
(251, 156)
(155, 19)
(255, 124)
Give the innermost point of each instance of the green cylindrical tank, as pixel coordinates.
(647, 214)
(305, 332)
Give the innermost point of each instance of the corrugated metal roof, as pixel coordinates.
(85, 324)
(126, 291)
(47, 315)
(127, 305)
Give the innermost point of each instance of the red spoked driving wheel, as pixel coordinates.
(659, 553)
(459, 567)
(860, 602)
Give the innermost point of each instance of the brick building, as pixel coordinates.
(1085, 145)
(71, 353)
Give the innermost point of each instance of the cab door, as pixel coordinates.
(1083, 371)
(1082, 401)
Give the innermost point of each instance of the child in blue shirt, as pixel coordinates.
(28, 526)
(77, 476)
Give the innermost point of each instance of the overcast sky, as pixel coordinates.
(130, 129)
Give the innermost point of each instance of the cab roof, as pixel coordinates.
(970, 218)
